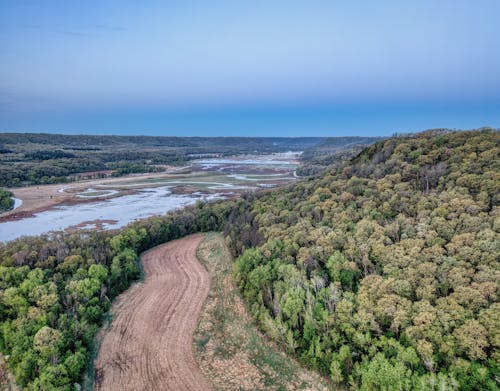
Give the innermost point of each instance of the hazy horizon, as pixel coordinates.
(248, 68)
(165, 134)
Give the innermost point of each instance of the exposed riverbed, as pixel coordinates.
(111, 204)
(107, 214)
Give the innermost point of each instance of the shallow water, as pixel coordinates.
(157, 199)
(269, 160)
(17, 203)
(120, 210)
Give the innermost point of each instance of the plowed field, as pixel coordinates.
(149, 344)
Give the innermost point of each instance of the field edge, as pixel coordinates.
(230, 351)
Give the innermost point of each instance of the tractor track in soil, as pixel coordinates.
(149, 343)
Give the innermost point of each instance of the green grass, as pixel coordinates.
(226, 332)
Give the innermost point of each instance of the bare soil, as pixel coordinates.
(149, 343)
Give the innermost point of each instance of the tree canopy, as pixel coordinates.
(383, 272)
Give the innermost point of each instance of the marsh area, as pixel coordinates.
(112, 203)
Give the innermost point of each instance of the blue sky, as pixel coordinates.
(264, 68)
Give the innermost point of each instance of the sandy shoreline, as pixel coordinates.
(36, 199)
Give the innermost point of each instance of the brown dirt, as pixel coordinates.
(149, 343)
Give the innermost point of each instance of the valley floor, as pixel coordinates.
(43, 197)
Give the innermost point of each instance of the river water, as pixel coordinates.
(17, 203)
(114, 213)
(119, 211)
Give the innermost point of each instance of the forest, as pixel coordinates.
(332, 145)
(332, 150)
(381, 272)
(55, 291)
(31, 158)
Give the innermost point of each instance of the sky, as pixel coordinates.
(248, 68)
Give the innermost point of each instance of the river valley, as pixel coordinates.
(114, 202)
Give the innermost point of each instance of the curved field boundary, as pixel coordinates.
(149, 343)
(230, 350)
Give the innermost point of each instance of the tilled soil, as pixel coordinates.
(149, 343)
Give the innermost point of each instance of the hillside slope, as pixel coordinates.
(383, 273)
(332, 150)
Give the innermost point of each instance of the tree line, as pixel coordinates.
(6, 200)
(55, 290)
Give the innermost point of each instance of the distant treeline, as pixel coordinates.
(223, 144)
(333, 150)
(332, 145)
(30, 158)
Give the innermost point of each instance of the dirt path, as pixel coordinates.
(149, 344)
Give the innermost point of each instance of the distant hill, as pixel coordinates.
(32, 158)
(332, 150)
(333, 145)
(219, 144)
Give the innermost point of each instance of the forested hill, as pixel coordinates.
(315, 159)
(213, 144)
(383, 273)
(332, 145)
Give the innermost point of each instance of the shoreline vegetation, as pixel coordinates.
(7, 201)
(380, 272)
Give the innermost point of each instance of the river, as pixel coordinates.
(109, 214)
(240, 174)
